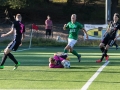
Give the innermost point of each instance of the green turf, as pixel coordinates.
(34, 72)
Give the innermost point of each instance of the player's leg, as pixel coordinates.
(12, 46)
(75, 53)
(71, 43)
(105, 52)
(66, 49)
(102, 46)
(49, 33)
(6, 51)
(116, 45)
(11, 56)
(46, 33)
(104, 43)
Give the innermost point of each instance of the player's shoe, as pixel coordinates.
(98, 61)
(106, 58)
(1, 67)
(16, 66)
(79, 58)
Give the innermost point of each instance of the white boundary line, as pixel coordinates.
(21, 50)
(18, 50)
(85, 87)
(25, 49)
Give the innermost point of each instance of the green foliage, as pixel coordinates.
(3, 2)
(17, 3)
(14, 4)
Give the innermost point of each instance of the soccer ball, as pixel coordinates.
(66, 63)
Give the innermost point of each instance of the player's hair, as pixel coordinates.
(51, 60)
(74, 15)
(18, 16)
(116, 14)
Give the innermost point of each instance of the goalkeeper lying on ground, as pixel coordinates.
(55, 61)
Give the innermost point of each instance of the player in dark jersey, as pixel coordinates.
(114, 44)
(110, 37)
(19, 33)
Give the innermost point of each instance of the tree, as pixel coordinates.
(14, 4)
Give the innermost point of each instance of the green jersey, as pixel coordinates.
(74, 29)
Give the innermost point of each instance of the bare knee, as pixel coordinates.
(101, 45)
(67, 47)
(70, 50)
(6, 51)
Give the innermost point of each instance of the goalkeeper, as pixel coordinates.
(55, 61)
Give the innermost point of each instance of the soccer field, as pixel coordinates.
(34, 72)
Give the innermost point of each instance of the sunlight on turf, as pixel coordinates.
(34, 72)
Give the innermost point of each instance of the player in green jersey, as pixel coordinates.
(73, 26)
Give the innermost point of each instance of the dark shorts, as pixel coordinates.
(48, 32)
(108, 41)
(13, 45)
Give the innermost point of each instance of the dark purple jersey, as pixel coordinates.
(18, 31)
(114, 27)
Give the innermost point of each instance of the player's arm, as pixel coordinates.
(46, 23)
(85, 32)
(66, 26)
(117, 37)
(108, 29)
(10, 32)
(23, 36)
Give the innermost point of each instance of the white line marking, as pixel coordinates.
(21, 50)
(18, 50)
(85, 87)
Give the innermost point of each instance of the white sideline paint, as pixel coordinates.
(85, 87)
(18, 50)
(21, 50)
(24, 50)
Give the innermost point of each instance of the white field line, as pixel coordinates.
(25, 49)
(22, 50)
(85, 87)
(18, 50)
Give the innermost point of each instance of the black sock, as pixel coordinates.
(102, 49)
(104, 54)
(12, 58)
(3, 59)
(115, 44)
